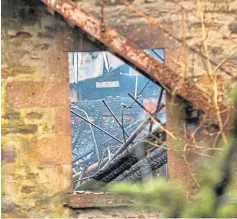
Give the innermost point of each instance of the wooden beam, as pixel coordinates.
(172, 81)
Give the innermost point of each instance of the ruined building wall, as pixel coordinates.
(36, 148)
(177, 26)
(179, 19)
(170, 20)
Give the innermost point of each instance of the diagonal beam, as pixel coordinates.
(173, 82)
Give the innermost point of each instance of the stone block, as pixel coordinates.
(57, 67)
(15, 143)
(233, 27)
(44, 118)
(19, 129)
(62, 121)
(139, 33)
(28, 189)
(36, 94)
(53, 178)
(11, 115)
(17, 70)
(9, 156)
(178, 169)
(34, 115)
(55, 151)
(24, 184)
(11, 210)
(81, 201)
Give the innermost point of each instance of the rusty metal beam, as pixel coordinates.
(137, 58)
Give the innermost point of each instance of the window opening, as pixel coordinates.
(114, 115)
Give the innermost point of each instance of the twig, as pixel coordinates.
(210, 71)
(185, 158)
(154, 21)
(154, 119)
(97, 127)
(188, 11)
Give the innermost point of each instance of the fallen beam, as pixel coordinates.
(123, 147)
(171, 81)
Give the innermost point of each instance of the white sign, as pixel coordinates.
(106, 84)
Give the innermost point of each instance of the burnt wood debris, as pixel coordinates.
(131, 158)
(120, 151)
(134, 160)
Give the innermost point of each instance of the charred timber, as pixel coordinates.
(124, 161)
(144, 167)
(116, 167)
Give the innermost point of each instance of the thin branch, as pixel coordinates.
(185, 158)
(154, 21)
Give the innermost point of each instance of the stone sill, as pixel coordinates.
(96, 200)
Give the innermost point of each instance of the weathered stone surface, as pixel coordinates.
(36, 94)
(28, 189)
(8, 207)
(62, 121)
(11, 210)
(42, 46)
(20, 180)
(11, 115)
(21, 35)
(43, 117)
(34, 115)
(15, 143)
(32, 176)
(36, 159)
(58, 64)
(112, 2)
(17, 70)
(140, 33)
(55, 151)
(233, 28)
(9, 156)
(19, 129)
(81, 201)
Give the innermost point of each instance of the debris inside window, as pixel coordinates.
(117, 116)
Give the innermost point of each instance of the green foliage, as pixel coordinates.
(227, 211)
(168, 198)
(234, 94)
(202, 206)
(208, 172)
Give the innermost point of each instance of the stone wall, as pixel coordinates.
(162, 22)
(36, 149)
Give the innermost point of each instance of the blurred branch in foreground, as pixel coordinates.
(214, 199)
